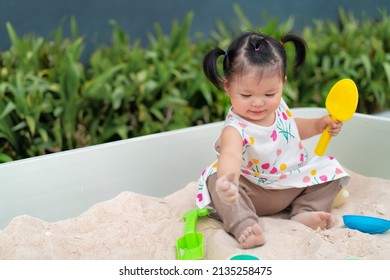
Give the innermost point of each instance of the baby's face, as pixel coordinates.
(254, 99)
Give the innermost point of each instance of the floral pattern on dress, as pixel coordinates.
(274, 157)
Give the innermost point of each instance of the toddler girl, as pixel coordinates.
(262, 167)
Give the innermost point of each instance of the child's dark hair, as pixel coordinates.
(253, 50)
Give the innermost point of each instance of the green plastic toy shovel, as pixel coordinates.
(341, 104)
(190, 246)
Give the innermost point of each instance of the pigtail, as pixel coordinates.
(210, 67)
(300, 48)
(252, 49)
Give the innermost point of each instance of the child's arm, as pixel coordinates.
(230, 157)
(229, 165)
(310, 127)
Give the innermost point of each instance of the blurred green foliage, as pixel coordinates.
(50, 101)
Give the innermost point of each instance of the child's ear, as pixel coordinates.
(226, 85)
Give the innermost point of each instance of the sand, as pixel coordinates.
(133, 226)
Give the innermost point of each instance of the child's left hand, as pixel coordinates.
(334, 126)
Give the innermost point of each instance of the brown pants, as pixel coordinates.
(255, 201)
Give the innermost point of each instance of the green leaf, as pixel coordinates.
(117, 97)
(44, 135)
(93, 86)
(31, 124)
(386, 66)
(157, 113)
(367, 66)
(15, 40)
(5, 158)
(73, 28)
(7, 110)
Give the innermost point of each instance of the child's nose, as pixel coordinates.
(257, 102)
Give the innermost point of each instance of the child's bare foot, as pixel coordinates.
(226, 188)
(252, 237)
(314, 220)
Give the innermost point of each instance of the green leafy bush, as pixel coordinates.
(50, 101)
(350, 48)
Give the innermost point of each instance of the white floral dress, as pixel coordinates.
(274, 157)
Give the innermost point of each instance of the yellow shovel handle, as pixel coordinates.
(323, 142)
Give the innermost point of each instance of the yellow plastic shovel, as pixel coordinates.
(341, 104)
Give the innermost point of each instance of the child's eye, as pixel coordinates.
(245, 95)
(270, 94)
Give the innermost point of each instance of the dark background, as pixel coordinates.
(137, 18)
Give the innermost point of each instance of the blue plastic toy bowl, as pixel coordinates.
(366, 224)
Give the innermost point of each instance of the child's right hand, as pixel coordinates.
(227, 188)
